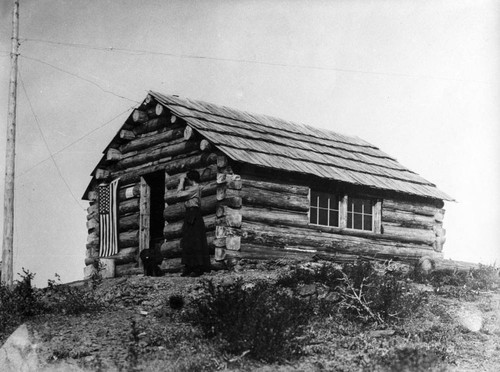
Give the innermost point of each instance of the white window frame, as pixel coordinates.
(376, 211)
(328, 208)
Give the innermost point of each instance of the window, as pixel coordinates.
(359, 214)
(344, 211)
(324, 209)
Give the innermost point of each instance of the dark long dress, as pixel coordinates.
(195, 253)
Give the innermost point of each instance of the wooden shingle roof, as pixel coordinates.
(280, 144)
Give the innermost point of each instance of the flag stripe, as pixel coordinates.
(108, 231)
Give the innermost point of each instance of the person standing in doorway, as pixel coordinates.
(195, 253)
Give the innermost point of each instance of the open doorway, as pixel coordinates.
(156, 184)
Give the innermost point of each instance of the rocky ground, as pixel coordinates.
(137, 330)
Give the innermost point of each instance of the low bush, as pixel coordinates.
(261, 319)
(463, 284)
(22, 301)
(18, 302)
(63, 298)
(366, 291)
(416, 358)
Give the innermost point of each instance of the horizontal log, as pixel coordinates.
(205, 145)
(129, 222)
(188, 133)
(408, 219)
(438, 244)
(144, 142)
(439, 231)
(273, 199)
(233, 243)
(92, 211)
(102, 174)
(113, 154)
(231, 219)
(128, 206)
(277, 187)
(124, 256)
(272, 217)
(129, 238)
(151, 125)
(160, 110)
(177, 164)
(206, 174)
(149, 101)
(93, 238)
(126, 134)
(92, 246)
(406, 206)
(92, 251)
(174, 230)
(439, 216)
(157, 153)
(128, 270)
(174, 196)
(258, 252)
(92, 196)
(426, 236)
(92, 224)
(280, 237)
(139, 116)
(222, 161)
(131, 191)
(172, 248)
(176, 211)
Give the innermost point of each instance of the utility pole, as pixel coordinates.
(10, 162)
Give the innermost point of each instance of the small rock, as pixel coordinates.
(382, 333)
(307, 290)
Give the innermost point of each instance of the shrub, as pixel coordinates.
(18, 302)
(367, 291)
(414, 358)
(464, 284)
(261, 318)
(63, 298)
(326, 274)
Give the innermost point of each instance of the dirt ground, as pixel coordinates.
(138, 331)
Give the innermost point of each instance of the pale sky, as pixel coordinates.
(418, 79)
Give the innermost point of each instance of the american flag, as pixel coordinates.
(108, 229)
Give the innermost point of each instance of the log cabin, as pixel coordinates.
(271, 189)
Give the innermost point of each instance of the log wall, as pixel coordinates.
(273, 221)
(152, 140)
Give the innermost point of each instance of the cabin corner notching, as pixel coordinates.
(270, 188)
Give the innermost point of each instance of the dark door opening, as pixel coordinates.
(156, 182)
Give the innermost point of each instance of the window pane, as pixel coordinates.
(323, 200)
(358, 205)
(358, 218)
(334, 218)
(349, 220)
(313, 215)
(349, 205)
(334, 203)
(314, 199)
(368, 207)
(323, 217)
(367, 222)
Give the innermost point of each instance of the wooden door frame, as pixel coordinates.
(144, 217)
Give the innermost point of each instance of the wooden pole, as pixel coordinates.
(8, 217)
